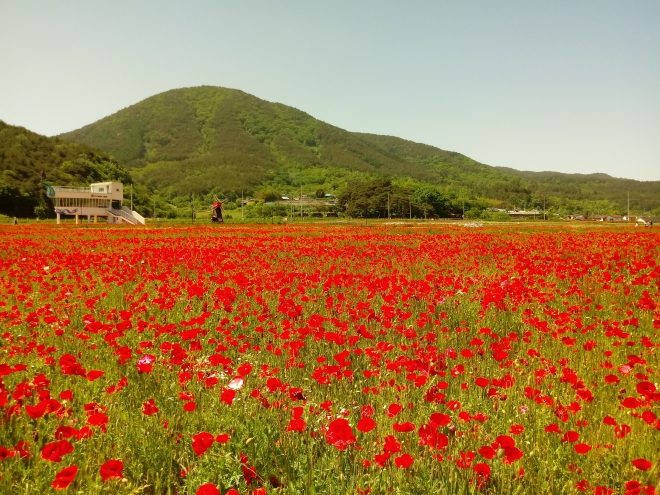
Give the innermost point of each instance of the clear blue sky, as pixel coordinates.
(571, 86)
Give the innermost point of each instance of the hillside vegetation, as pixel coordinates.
(205, 141)
(209, 139)
(24, 155)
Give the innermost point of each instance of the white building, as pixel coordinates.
(101, 199)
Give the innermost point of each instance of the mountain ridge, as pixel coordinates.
(208, 140)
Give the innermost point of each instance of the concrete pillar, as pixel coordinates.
(89, 218)
(76, 219)
(58, 219)
(96, 218)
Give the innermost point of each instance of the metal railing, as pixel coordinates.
(134, 214)
(121, 213)
(72, 189)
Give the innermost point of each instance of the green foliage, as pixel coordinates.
(495, 216)
(429, 196)
(41, 211)
(24, 155)
(269, 195)
(208, 139)
(320, 193)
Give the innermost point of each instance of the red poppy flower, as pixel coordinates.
(202, 442)
(55, 450)
(340, 434)
(621, 430)
(570, 436)
(504, 442)
(366, 411)
(482, 471)
(5, 453)
(208, 489)
(487, 452)
(391, 444)
(481, 382)
(647, 389)
(65, 477)
(516, 429)
(66, 395)
(381, 459)
(94, 375)
(582, 448)
(393, 410)
(611, 379)
(100, 420)
(366, 424)
(404, 461)
(553, 428)
(296, 424)
(642, 464)
(511, 455)
(112, 469)
(222, 438)
(609, 420)
(228, 396)
(245, 369)
(149, 408)
(190, 406)
(631, 402)
(404, 427)
(440, 419)
(65, 432)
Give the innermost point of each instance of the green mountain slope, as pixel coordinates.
(216, 140)
(24, 155)
(644, 195)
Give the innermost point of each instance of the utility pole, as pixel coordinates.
(242, 217)
(192, 209)
(301, 210)
(628, 217)
(154, 207)
(131, 197)
(388, 206)
(544, 208)
(410, 208)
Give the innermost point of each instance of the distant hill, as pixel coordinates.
(208, 138)
(643, 194)
(24, 155)
(211, 139)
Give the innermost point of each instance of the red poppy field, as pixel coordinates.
(329, 360)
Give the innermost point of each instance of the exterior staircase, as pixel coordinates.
(132, 217)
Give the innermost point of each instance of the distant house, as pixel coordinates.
(608, 218)
(285, 198)
(575, 217)
(523, 213)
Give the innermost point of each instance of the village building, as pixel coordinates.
(101, 199)
(609, 218)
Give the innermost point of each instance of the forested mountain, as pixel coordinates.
(211, 139)
(216, 139)
(644, 195)
(25, 155)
